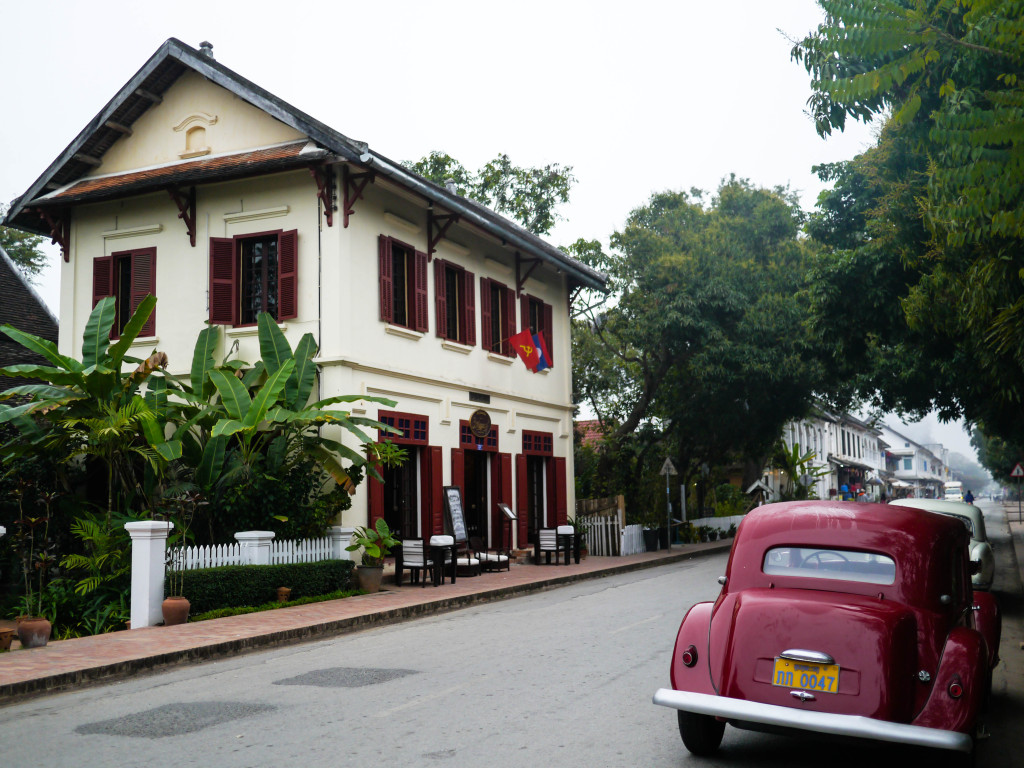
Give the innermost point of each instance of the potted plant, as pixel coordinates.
(33, 628)
(580, 529)
(176, 607)
(376, 543)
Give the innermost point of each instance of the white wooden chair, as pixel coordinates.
(415, 559)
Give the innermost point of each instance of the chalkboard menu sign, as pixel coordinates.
(453, 510)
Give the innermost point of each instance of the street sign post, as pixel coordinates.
(1018, 472)
(668, 469)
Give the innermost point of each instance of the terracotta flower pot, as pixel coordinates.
(284, 594)
(370, 577)
(33, 631)
(6, 637)
(175, 610)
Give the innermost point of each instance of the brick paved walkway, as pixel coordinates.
(70, 663)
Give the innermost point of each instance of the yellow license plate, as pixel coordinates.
(806, 676)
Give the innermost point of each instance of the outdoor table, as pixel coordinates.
(438, 552)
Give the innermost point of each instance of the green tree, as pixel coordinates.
(528, 195)
(23, 248)
(951, 75)
(702, 352)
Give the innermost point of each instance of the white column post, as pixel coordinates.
(255, 546)
(340, 535)
(2, 531)
(149, 539)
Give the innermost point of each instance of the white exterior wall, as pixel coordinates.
(338, 290)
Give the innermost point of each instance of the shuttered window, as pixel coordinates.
(402, 279)
(454, 302)
(538, 317)
(254, 273)
(497, 316)
(128, 276)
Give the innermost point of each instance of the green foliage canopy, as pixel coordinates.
(528, 195)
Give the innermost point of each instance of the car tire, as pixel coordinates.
(702, 734)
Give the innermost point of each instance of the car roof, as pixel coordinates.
(950, 508)
(909, 536)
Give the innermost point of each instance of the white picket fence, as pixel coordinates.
(212, 556)
(216, 555)
(300, 551)
(632, 540)
(607, 537)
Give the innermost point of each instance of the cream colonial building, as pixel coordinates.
(198, 186)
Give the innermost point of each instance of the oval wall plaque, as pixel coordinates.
(480, 423)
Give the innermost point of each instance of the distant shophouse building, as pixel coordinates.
(917, 470)
(848, 458)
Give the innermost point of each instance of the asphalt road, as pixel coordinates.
(564, 677)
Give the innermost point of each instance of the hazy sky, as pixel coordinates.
(637, 97)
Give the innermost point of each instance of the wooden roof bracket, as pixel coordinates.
(440, 224)
(186, 210)
(521, 278)
(60, 229)
(353, 185)
(326, 191)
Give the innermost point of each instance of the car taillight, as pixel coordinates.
(956, 690)
(690, 656)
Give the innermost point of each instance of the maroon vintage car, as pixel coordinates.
(839, 618)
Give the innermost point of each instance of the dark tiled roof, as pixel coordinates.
(21, 307)
(192, 171)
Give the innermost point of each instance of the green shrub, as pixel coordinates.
(234, 586)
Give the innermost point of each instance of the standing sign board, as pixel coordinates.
(454, 516)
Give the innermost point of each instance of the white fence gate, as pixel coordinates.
(632, 540)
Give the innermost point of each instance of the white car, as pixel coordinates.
(972, 518)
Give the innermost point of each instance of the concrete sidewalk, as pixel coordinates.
(66, 664)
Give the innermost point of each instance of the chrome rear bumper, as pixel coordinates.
(818, 722)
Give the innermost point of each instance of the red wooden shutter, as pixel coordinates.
(421, 320)
(560, 490)
(548, 321)
(435, 500)
(501, 492)
(384, 278)
(440, 299)
(524, 313)
(223, 281)
(469, 310)
(485, 314)
(288, 275)
(143, 285)
(459, 470)
(376, 511)
(510, 308)
(522, 501)
(102, 278)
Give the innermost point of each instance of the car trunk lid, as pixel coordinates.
(872, 641)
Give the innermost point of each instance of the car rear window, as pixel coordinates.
(838, 564)
(968, 523)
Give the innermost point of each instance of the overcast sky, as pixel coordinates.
(637, 97)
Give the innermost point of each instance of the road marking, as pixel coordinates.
(637, 624)
(419, 700)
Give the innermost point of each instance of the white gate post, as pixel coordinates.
(2, 531)
(255, 546)
(149, 540)
(340, 535)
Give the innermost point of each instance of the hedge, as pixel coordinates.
(233, 586)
